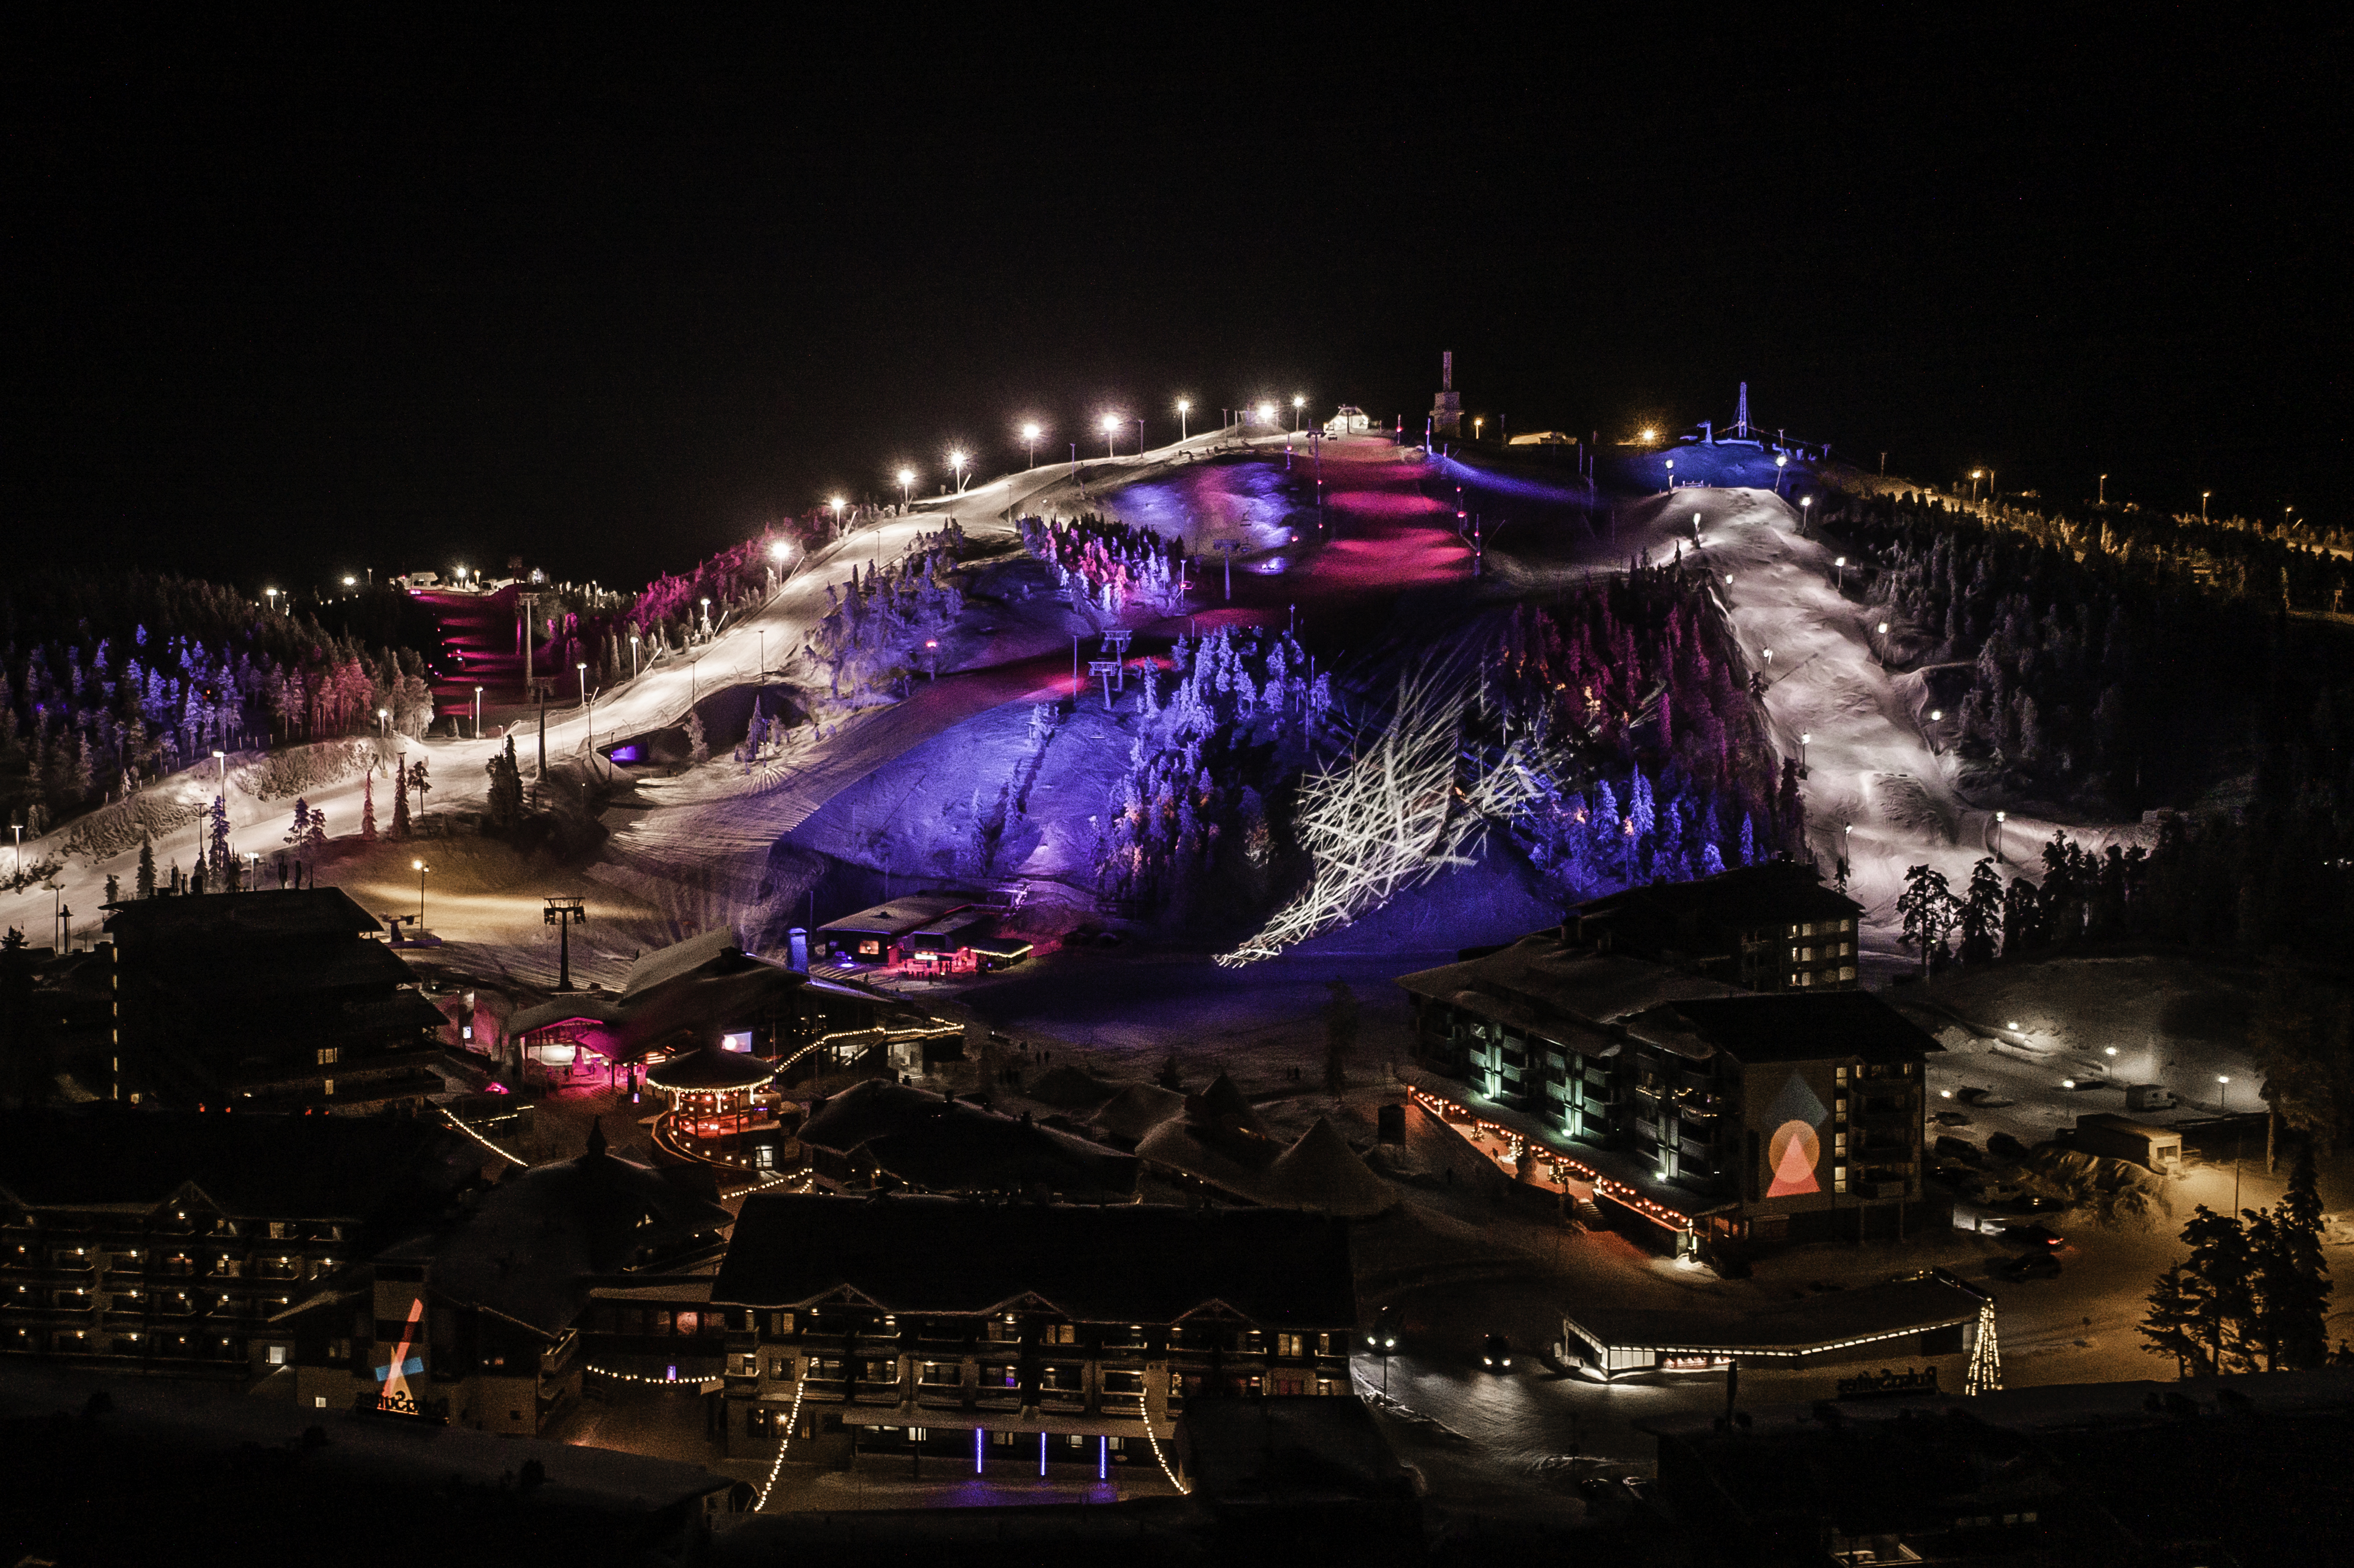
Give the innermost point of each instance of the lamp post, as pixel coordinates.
(706, 620)
(836, 504)
(478, 710)
(1029, 442)
(2101, 498)
(1840, 566)
(1298, 403)
(2224, 1108)
(1803, 739)
(634, 655)
(2203, 504)
(1781, 462)
(422, 869)
(956, 470)
(383, 722)
(1672, 473)
(1999, 818)
(1111, 423)
(1805, 503)
(1139, 436)
(1267, 413)
(1184, 408)
(582, 669)
(906, 486)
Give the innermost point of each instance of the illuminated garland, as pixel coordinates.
(1182, 1490)
(792, 1420)
(485, 1142)
(633, 1377)
(1618, 1190)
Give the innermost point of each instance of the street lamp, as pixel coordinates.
(1111, 423)
(2102, 495)
(478, 712)
(1298, 403)
(1029, 442)
(383, 721)
(271, 594)
(422, 869)
(906, 485)
(1649, 434)
(706, 620)
(1803, 739)
(1781, 462)
(2202, 508)
(836, 504)
(1267, 413)
(956, 469)
(583, 668)
(1672, 473)
(1999, 818)
(1839, 562)
(350, 581)
(1476, 420)
(1803, 513)
(1184, 407)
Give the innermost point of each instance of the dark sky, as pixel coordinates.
(285, 303)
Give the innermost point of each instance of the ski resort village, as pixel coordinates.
(1312, 975)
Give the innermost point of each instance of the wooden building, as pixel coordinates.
(270, 1000)
(1771, 927)
(1020, 1339)
(168, 1241)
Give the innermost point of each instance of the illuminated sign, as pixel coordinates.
(1796, 1148)
(396, 1396)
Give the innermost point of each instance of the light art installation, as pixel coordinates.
(1398, 815)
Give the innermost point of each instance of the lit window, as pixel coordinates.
(330, 1055)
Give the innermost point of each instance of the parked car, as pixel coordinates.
(2037, 1237)
(2030, 1266)
(1496, 1353)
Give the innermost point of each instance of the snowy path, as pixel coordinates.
(658, 697)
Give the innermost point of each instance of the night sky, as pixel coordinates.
(286, 303)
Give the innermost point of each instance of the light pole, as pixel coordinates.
(2101, 497)
(1804, 512)
(906, 486)
(1840, 566)
(2203, 504)
(779, 554)
(634, 655)
(422, 869)
(956, 470)
(1999, 818)
(582, 668)
(1139, 436)
(1803, 739)
(836, 505)
(383, 722)
(2224, 1108)
(1030, 443)
(1111, 430)
(706, 620)
(478, 711)
(1184, 408)
(1781, 462)
(1672, 473)
(1298, 403)
(1978, 474)
(1267, 413)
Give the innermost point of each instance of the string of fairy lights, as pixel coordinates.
(485, 1142)
(793, 1425)
(1182, 1490)
(657, 1382)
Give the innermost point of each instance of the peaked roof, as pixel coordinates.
(537, 1243)
(1766, 892)
(1544, 983)
(1321, 1171)
(679, 959)
(950, 1145)
(1070, 1089)
(1124, 1264)
(712, 1068)
(1138, 1109)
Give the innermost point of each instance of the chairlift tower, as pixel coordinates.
(564, 913)
(1741, 412)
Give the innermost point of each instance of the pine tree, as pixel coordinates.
(367, 801)
(2220, 1264)
(2176, 1305)
(1981, 914)
(400, 810)
(2021, 917)
(113, 889)
(2292, 1275)
(145, 883)
(220, 855)
(1928, 908)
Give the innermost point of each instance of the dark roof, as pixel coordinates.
(711, 1069)
(1545, 984)
(696, 987)
(310, 911)
(680, 959)
(950, 1145)
(898, 917)
(1747, 894)
(1126, 1264)
(1288, 1449)
(1835, 1317)
(290, 1167)
(537, 1244)
(1800, 1026)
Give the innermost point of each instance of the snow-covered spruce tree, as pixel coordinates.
(698, 747)
(146, 884)
(368, 802)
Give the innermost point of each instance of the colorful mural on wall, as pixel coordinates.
(1794, 1150)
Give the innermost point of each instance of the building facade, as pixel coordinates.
(1719, 1115)
(170, 1241)
(1019, 1338)
(1772, 927)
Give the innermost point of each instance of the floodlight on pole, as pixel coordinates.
(1029, 442)
(956, 469)
(1298, 403)
(906, 485)
(1267, 413)
(1184, 407)
(478, 711)
(2202, 510)
(1111, 424)
(583, 668)
(422, 869)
